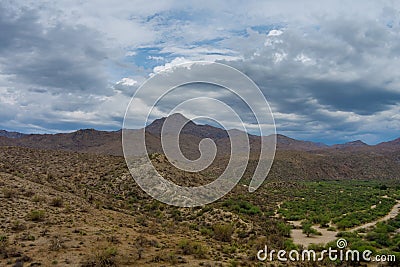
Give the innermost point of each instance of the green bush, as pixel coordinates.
(206, 231)
(241, 206)
(36, 215)
(362, 245)
(380, 238)
(284, 228)
(289, 245)
(308, 229)
(345, 203)
(223, 232)
(228, 249)
(38, 198)
(192, 248)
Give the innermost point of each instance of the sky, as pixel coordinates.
(329, 69)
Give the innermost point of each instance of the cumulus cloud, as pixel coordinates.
(53, 76)
(58, 56)
(329, 73)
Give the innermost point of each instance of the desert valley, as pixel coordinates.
(68, 199)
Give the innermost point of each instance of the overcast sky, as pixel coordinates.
(329, 71)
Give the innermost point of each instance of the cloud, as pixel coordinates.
(329, 70)
(327, 74)
(127, 85)
(56, 57)
(54, 77)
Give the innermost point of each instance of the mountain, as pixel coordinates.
(358, 144)
(189, 137)
(287, 143)
(190, 128)
(86, 140)
(109, 142)
(295, 159)
(391, 145)
(11, 134)
(193, 133)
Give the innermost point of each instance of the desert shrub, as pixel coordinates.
(241, 206)
(18, 174)
(284, 228)
(223, 232)
(36, 215)
(380, 238)
(206, 231)
(141, 242)
(192, 226)
(204, 209)
(385, 227)
(113, 239)
(229, 249)
(27, 237)
(68, 208)
(243, 234)
(316, 247)
(3, 246)
(171, 258)
(289, 245)
(348, 235)
(9, 193)
(56, 243)
(57, 202)
(18, 226)
(308, 229)
(362, 245)
(233, 263)
(176, 214)
(102, 257)
(185, 246)
(38, 198)
(50, 176)
(28, 193)
(383, 187)
(79, 231)
(192, 248)
(142, 220)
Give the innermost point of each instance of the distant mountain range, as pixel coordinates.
(109, 142)
(11, 134)
(295, 159)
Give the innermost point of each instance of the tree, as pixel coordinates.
(324, 221)
(308, 229)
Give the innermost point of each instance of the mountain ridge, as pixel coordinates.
(109, 142)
